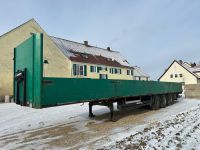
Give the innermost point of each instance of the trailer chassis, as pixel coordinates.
(154, 102)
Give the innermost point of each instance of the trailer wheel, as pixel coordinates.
(169, 99)
(163, 101)
(155, 102)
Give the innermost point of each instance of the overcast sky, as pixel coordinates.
(149, 33)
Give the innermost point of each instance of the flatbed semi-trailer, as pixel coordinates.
(34, 90)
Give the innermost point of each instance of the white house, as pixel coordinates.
(182, 72)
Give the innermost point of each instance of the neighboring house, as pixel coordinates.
(182, 72)
(62, 58)
(139, 74)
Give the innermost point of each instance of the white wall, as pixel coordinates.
(176, 68)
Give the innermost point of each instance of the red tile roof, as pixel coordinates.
(94, 59)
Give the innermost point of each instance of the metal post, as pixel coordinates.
(24, 89)
(111, 106)
(17, 93)
(90, 110)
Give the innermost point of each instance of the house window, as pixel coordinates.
(111, 70)
(103, 76)
(79, 70)
(171, 75)
(93, 68)
(117, 71)
(129, 72)
(103, 68)
(180, 75)
(132, 72)
(137, 78)
(176, 75)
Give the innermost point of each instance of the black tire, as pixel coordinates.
(163, 101)
(169, 99)
(155, 102)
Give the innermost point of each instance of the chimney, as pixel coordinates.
(85, 43)
(108, 48)
(181, 62)
(193, 64)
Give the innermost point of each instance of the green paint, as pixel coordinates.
(45, 92)
(57, 91)
(29, 55)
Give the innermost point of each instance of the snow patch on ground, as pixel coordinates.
(165, 127)
(17, 121)
(15, 118)
(181, 131)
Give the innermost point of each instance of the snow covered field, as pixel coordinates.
(68, 127)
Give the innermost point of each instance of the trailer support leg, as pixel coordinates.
(90, 110)
(111, 106)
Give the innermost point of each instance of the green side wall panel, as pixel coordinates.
(57, 91)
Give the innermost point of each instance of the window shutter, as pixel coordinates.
(115, 70)
(74, 69)
(85, 70)
(91, 68)
(131, 72)
(106, 68)
(120, 71)
(98, 69)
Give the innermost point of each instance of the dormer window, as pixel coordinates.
(109, 59)
(85, 56)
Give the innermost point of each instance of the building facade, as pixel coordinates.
(181, 72)
(93, 62)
